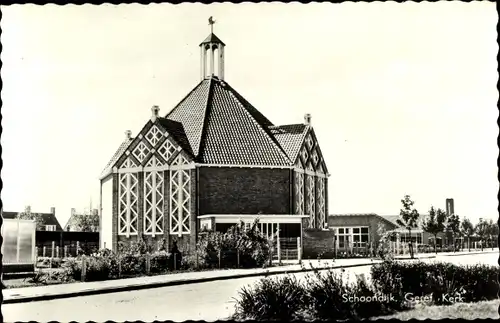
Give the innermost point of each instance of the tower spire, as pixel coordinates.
(209, 46)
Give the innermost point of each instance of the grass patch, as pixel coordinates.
(467, 311)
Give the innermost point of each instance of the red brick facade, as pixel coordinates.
(225, 190)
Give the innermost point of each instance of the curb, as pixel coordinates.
(131, 287)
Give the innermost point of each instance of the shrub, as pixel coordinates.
(472, 283)
(247, 248)
(331, 297)
(282, 299)
(159, 261)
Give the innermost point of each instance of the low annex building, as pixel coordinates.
(210, 162)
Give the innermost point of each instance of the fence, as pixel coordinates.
(288, 249)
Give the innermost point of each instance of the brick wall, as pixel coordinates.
(318, 242)
(244, 191)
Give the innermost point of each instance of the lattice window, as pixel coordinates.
(180, 160)
(311, 201)
(315, 157)
(141, 151)
(154, 135)
(321, 197)
(180, 202)
(309, 142)
(154, 162)
(128, 163)
(153, 201)
(299, 193)
(128, 204)
(305, 155)
(166, 150)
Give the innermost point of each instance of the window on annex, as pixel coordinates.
(50, 227)
(415, 237)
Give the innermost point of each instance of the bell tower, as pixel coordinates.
(211, 48)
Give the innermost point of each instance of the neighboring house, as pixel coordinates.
(213, 160)
(83, 222)
(45, 221)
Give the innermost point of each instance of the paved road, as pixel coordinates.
(205, 301)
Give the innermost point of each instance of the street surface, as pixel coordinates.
(203, 301)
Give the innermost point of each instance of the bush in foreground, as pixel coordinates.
(281, 299)
(468, 283)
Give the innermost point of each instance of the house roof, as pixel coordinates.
(290, 137)
(393, 219)
(48, 218)
(223, 128)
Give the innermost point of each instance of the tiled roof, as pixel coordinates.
(48, 218)
(223, 128)
(290, 137)
(123, 146)
(176, 130)
(191, 111)
(212, 39)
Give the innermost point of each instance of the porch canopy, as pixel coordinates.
(285, 225)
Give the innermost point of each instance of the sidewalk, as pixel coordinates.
(40, 293)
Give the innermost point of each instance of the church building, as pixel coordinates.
(210, 162)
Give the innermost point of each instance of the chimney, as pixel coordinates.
(128, 134)
(307, 119)
(27, 209)
(53, 210)
(155, 110)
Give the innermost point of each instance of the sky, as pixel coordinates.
(403, 96)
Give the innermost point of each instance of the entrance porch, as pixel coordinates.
(285, 228)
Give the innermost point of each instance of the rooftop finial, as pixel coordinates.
(211, 22)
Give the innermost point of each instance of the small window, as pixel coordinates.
(364, 238)
(355, 230)
(347, 230)
(364, 230)
(355, 238)
(341, 230)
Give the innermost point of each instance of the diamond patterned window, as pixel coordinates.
(321, 198)
(309, 142)
(154, 162)
(166, 150)
(299, 193)
(305, 155)
(311, 201)
(315, 157)
(128, 204)
(153, 201)
(180, 160)
(128, 163)
(180, 202)
(141, 151)
(154, 135)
